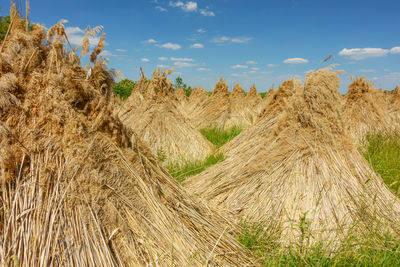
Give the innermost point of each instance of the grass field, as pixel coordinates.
(219, 136)
(383, 153)
(193, 168)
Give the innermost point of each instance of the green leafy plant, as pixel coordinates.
(124, 88)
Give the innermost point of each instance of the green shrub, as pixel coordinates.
(180, 172)
(124, 88)
(219, 136)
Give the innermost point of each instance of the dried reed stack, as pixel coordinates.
(182, 101)
(197, 99)
(152, 113)
(215, 112)
(253, 97)
(299, 165)
(255, 103)
(394, 106)
(364, 110)
(78, 189)
(241, 113)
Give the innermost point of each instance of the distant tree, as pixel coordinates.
(124, 88)
(4, 23)
(180, 84)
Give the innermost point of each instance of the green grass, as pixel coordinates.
(219, 136)
(382, 151)
(263, 94)
(262, 245)
(180, 173)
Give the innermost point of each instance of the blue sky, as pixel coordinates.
(253, 41)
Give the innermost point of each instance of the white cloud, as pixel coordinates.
(220, 39)
(145, 60)
(120, 50)
(106, 53)
(197, 45)
(267, 72)
(395, 50)
(363, 53)
(207, 13)
(223, 39)
(161, 9)
(190, 7)
(239, 66)
(184, 59)
(170, 46)
(272, 65)
(200, 30)
(366, 70)
(160, 66)
(251, 62)
(63, 21)
(203, 69)
(162, 58)
(75, 36)
(255, 69)
(176, 4)
(295, 60)
(150, 41)
(241, 40)
(181, 64)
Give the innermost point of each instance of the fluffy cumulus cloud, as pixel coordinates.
(162, 58)
(120, 50)
(182, 59)
(190, 7)
(187, 7)
(200, 30)
(395, 50)
(203, 69)
(150, 41)
(145, 60)
(197, 45)
(272, 65)
(169, 46)
(251, 62)
(223, 39)
(295, 60)
(238, 66)
(207, 13)
(363, 53)
(176, 4)
(75, 36)
(255, 69)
